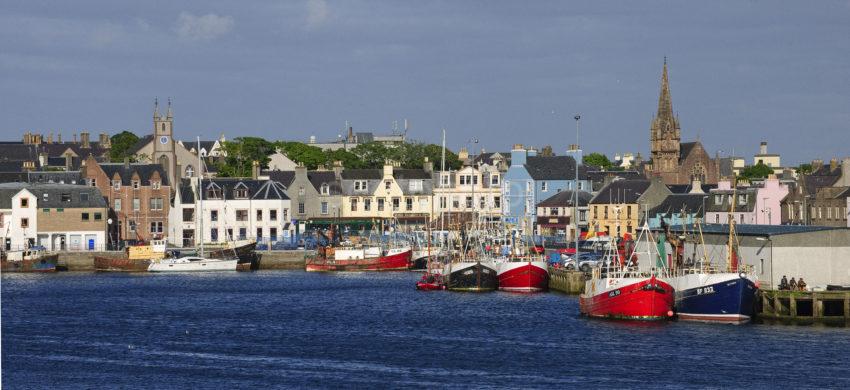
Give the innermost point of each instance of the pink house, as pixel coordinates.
(753, 205)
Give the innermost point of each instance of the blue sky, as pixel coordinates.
(504, 72)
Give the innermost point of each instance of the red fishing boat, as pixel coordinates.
(372, 258)
(431, 282)
(523, 275)
(622, 291)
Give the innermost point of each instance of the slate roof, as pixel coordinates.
(317, 178)
(823, 177)
(187, 195)
(145, 172)
(54, 192)
(13, 177)
(487, 158)
(207, 145)
(140, 144)
(18, 151)
(362, 174)
(755, 230)
(257, 189)
(284, 177)
(12, 166)
(407, 174)
(692, 203)
(685, 149)
(565, 199)
(598, 176)
(621, 191)
(56, 149)
(72, 177)
(554, 168)
(686, 188)
(60, 162)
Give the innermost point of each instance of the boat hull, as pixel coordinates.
(394, 262)
(472, 276)
(523, 276)
(194, 266)
(106, 264)
(246, 253)
(43, 264)
(629, 299)
(725, 298)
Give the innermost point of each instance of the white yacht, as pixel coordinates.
(192, 264)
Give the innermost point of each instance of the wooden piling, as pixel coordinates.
(818, 299)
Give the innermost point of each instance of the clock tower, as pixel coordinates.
(163, 142)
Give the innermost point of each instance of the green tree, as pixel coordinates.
(435, 153)
(121, 144)
(597, 160)
(241, 153)
(349, 159)
(756, 171)
(308, 155)
(804, 169)
(372, 154)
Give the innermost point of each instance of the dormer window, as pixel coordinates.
(116, 185)
(415, 185)
(444, 179)
(190, 172)
(213, 193)
(240, 193)
(136, 184)
(325, 189)
(742, 199)
(155, 185)
(360, 185)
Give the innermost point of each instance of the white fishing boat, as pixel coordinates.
(192, 264)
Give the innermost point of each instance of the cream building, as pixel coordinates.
(456, 192)
(380, 194)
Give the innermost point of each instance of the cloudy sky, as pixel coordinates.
(504, 72)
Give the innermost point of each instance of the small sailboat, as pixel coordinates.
(195, 263)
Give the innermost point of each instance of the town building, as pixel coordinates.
(620, 206)
(315, 195)
(232, 209)
(458, 193)
(771, 160)
(674, 161)
(138, 195)
(756, 205)
(388, 193)
(55, 216)
(679, 209)
(829, 206)
(352, 139)
(555, 215)
(799, 207)
(532, 178)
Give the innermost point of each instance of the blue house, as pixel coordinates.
(678, 209)
(531, 178)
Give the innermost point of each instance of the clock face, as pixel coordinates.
(163, 140)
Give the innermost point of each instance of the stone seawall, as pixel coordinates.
(569, 282)
(84, 261)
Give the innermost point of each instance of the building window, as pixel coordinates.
(582, 215)
(408, 204)
(353, 204)
(86, 216)
(25, 223)
(629, 212)
(25, 202)
(544, 186)
(132, 225)
(415, 185)
(443, 202)
(214, 234)
(190, 172)
(243, 233)
(360, 185)
(259, 215)
(286, 214)
(136, 184)
(497, 201)
(137, 204)
(718, 199)
(396, 202)
(301, 208)
(65, 197)
(606, 212)
(468, 202)
(188, 215)
(93, 182)
(241, 215)
(98, 216)
(156, 185)
(553, 211)
(273, 215)
(156, 228)
(240, 193)
(214, 215)
(444, 179)
(272, 234)
(116, 185)
(213, 193)
(494, 180)
(388, 184)
(259, 234)
(117, 205)
(742, 199)
(324, 208)
(325, 189)
(156, 204)
(455, 202)
(381, 202)
(367, 204)
(716, 218)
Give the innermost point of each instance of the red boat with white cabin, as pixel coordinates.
(523, 275)
(364, 258)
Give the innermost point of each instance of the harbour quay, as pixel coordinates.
(804, 306)
(266, 260)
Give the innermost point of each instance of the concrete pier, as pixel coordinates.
(84, 261)
(569, 282)
(809, 306)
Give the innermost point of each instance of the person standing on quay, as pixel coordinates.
(793, 284)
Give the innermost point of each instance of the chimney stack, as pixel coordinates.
(817, 165)
(105, 142)
(763, 147)
(463, 154)
(50, 138)
(833, 164)
(428, 165)
(84, 140)
(59, 138)
(255, 169)
(68, 162)
(127, 163)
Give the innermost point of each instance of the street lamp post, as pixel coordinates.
(575, 193)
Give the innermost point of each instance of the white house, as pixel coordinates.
(232, 209)
(279, 162)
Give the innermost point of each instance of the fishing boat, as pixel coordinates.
(472, 275)
(622, 291)
(34, 259)
(359, 258)
(523, 275)
(431, 281)
(244, 250)
(707, 293)
(138, 258)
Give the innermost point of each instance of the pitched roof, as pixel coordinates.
(62, 177)
(317, 178)
(406, 174)
(257, 189)
(621, 191)
(685, 149)
(284, 177)
(80, 195)
(207, 145)
(13, 177)
(141, 143)
(565, 199)
(553, 168)
(18, 151)
(599, 176)
(145, 172)
(12, 166)
(686, 188)
(362, 174)
(755, 230)
(692, 204)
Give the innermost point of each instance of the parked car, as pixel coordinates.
(587, 261)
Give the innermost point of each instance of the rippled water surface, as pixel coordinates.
(293, 329)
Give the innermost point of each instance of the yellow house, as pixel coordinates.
(619, 207)
(403, 194)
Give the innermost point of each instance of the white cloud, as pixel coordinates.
(204, 27)
(317, 13)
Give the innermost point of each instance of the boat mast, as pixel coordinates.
(575, 195)
(200, 215)
(729, 249)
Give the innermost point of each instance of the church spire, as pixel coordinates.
(169, 114)
(665, 103)
(156, 108)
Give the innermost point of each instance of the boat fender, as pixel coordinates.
(742, 275)
(669, 313)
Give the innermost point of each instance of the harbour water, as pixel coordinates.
(297, 329)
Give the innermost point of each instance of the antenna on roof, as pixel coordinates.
(406, 126)
(395, 127)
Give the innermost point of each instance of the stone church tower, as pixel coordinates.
(665, 133)
(163, 143)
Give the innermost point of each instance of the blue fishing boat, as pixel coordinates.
(714, 297)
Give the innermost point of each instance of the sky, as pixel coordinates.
(502, 72)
